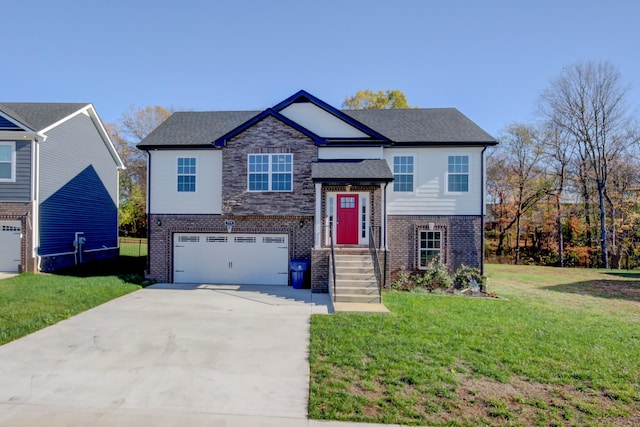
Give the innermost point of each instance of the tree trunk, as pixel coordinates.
(560, 236)
(603, 227)
(517, 261)
(587, 214)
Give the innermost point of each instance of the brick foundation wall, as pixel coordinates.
(462, 240)
(320, 270)
(299, 229)
(23, 212)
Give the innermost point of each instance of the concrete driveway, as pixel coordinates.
(167, 355)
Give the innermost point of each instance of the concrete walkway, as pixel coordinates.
(168, 355)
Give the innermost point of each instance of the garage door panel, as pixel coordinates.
(10, 241)
(231, 258)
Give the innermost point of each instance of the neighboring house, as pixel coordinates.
(58, 187)
(235, 195)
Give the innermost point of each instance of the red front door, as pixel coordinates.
(347, 227)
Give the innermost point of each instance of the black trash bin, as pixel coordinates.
(298, 267)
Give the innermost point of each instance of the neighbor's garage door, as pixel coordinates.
(9, 246)
(258, 259)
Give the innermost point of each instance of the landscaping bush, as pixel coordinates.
(469, 278)
(437, 278)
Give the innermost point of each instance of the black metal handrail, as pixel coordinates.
(376, 263)
(333, 262)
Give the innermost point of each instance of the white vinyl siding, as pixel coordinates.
(430, 194)
(352, 153)
(7, 161)
(164, 197)
(320, 122)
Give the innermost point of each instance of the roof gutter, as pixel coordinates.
(18, 136)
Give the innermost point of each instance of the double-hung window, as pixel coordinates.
(403, 173)
(270, 172)
(186, 174)
(7, 161)
(429, 247)
(458, 174)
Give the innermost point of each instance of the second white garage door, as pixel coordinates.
(10, 246)
(256, 259)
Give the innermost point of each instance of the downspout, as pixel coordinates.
(35, 197)
(482, 208)
(148, 211)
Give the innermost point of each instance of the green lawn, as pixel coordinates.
(560, 347)
(30, 302)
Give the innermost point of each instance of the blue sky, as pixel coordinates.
(490, 59)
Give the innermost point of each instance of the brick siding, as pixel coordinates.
(462, 240)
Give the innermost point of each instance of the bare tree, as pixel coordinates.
(520, 172)
(588, 102)
(558, 151)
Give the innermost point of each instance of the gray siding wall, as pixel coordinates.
(69, 149)
(78, 188)
(20, 190)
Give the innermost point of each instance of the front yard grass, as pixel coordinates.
(30, 302)
(561, 347)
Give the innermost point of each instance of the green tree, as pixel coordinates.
(369, 100)
(133, 126)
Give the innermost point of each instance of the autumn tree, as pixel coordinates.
(369, 100)
(523, 180)
(588, 102)
(133, 126)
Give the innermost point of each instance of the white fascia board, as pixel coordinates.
(90, 111)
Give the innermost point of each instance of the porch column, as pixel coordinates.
(318, 218)
(383, 215)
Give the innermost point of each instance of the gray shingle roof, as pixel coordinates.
(39, 115)
(367, 170)
(416, 126)
(196, 128)
(427, 125)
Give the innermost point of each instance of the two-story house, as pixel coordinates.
(58, 187)
(233, 196)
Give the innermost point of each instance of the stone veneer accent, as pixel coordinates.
(23, 212)
(299, 228)
(269, 136)
(462, 242)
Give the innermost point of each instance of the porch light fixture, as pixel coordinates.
(159, 222)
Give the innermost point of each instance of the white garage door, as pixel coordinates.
(256, 259)
(9, 246)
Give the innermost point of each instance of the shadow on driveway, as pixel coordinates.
(321, 303)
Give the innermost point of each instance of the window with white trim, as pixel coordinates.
(270, 172)
(7, 161)
(186, 174)
(403, 173)
(429, 247)
(458, 174)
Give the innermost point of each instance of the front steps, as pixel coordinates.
(355, 277)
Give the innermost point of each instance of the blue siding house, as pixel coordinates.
(58, 187)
